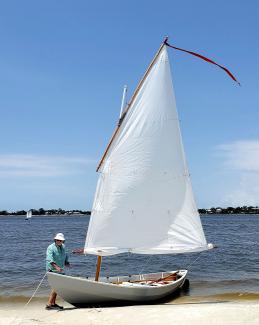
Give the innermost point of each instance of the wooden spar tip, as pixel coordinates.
(165, 40)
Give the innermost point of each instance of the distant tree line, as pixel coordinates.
(231, 210)
(42, 211)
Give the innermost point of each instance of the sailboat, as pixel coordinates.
(144, 203)
(28, 215)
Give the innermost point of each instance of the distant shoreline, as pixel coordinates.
(45, 215)
(67, 213)
(61, 212)
(231, 210)
(43, 212)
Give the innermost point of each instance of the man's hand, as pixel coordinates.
(79, 251)
(58, 269)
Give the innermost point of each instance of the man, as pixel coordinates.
(56, 260)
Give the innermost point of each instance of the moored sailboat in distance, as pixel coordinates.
(28, 215)
(144, 202)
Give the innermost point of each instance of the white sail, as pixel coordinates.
(29, 214)
(144, 201)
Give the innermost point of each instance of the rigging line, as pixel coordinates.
(194, 260)
(147, 262)
(21, 321)
(36, 289)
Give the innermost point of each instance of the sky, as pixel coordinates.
(63, 65)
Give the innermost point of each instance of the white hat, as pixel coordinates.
(59, 236)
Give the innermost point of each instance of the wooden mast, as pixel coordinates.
(130, 102)
(98, 267)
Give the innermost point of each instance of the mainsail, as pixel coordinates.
(144, 201)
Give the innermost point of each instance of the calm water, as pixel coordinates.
(232, 268)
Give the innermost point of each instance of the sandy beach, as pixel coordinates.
(192, 313)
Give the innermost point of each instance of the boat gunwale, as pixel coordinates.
(134, 285)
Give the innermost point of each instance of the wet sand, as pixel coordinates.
(183, 312)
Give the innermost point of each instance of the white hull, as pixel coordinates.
(136, 288)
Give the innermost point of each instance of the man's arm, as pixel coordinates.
(50, 259)
(79, 251)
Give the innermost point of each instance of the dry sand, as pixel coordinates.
(207, 313)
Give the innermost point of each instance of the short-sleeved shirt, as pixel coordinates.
(56, 254)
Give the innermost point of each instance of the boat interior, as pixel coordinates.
(150, 279)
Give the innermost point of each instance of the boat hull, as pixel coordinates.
(81, 291)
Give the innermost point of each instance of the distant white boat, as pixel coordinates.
(29, 215)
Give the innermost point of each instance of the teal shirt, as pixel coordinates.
(56, 254)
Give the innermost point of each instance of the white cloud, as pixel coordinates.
(246, 193)
(241, 155)
(240, 162)
(41, 166)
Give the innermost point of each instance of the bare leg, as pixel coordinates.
(52, 298)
